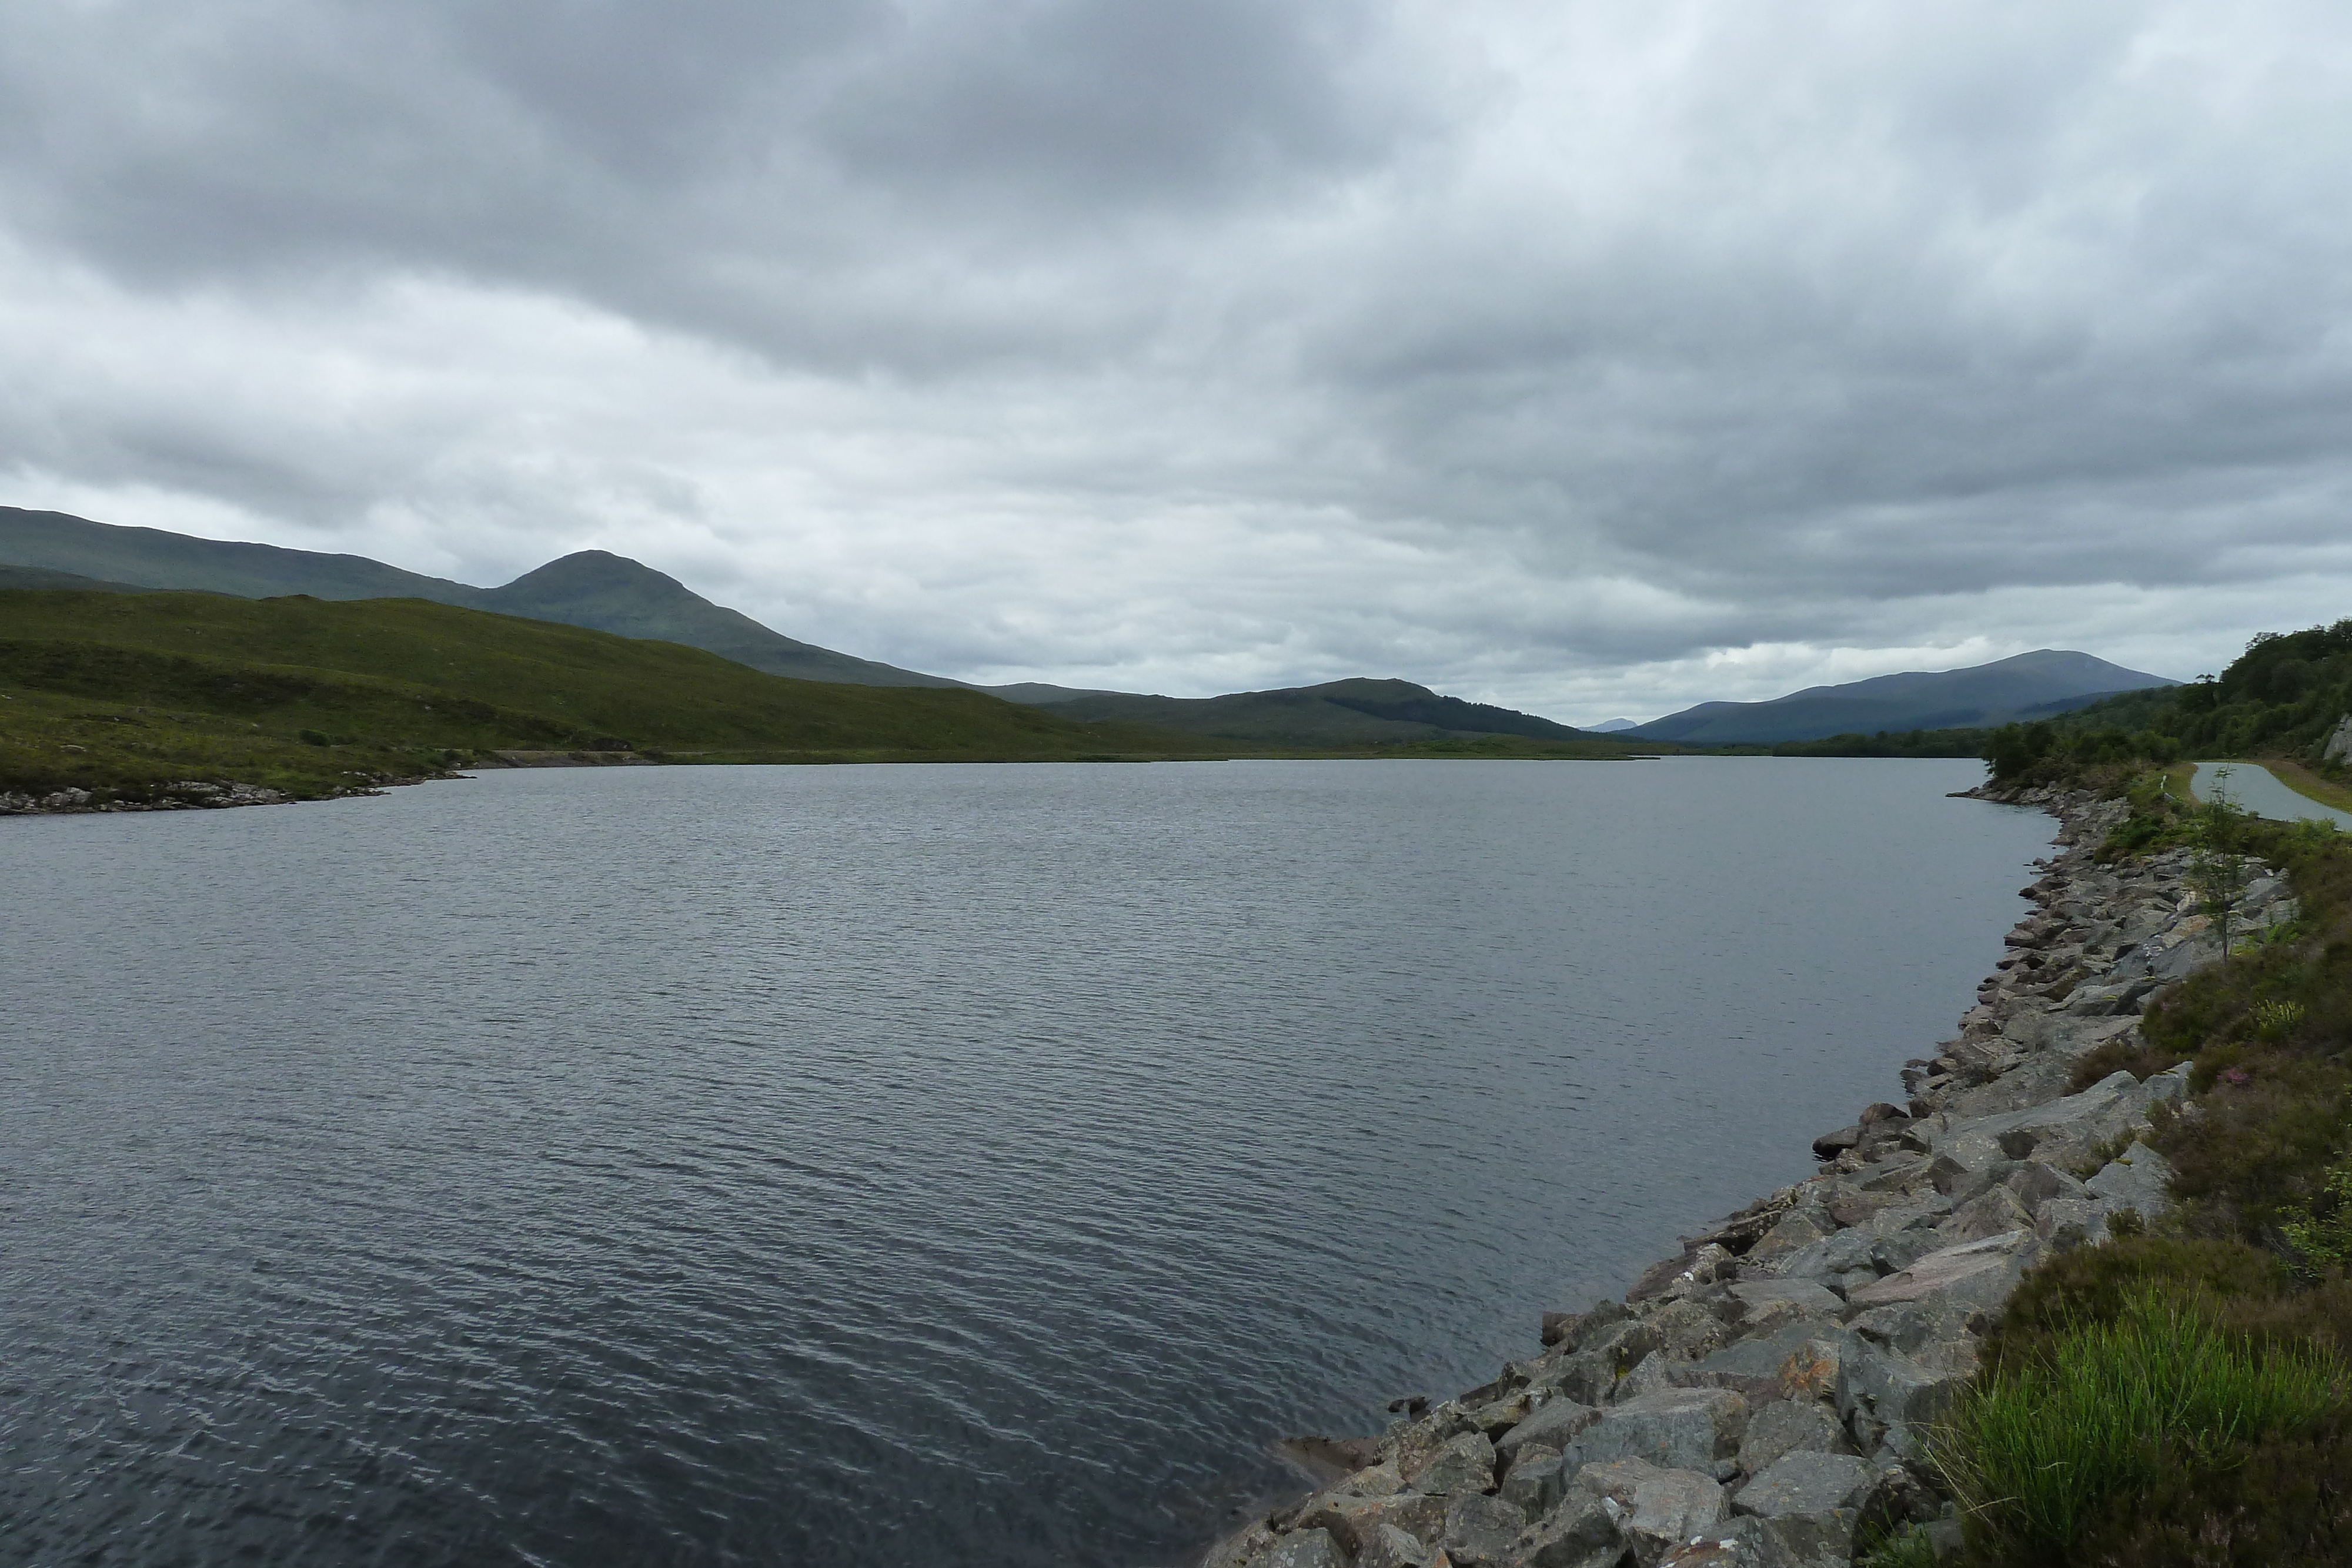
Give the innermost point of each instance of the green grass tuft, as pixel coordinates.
(2044, 1447)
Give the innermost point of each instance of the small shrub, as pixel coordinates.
(2092, 1285)
(2287, 1500)
(2321, 1230)
(2127, 1052)
(2275, 1018)
(313, 738)
(2259, 1145)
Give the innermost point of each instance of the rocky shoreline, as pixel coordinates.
(199, 795)
(183, 795)
(1759, 1398)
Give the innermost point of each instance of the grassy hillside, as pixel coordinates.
(126, 692)
(592, 588)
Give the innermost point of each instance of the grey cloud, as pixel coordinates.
(1498, 340)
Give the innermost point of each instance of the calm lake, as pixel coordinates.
(939, 1166)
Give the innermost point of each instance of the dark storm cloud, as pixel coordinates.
(1528, 348)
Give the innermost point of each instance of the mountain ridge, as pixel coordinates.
(595, 589)
(2024, 686)
(1358, 710)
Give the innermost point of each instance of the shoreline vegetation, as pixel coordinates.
(168, 701)
(2085, 1298)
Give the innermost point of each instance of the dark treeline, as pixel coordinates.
(2282, 697)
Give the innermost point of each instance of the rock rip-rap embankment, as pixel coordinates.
(1758, 1399)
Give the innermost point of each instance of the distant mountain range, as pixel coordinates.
(607, 592)
(1338, 713)
(2027, 687)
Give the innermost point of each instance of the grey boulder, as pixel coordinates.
(1676, 1429)
(1302, 1549)
(2139, 1179)
(1662, 1507)
(1479, 1531)
(1553, 1425)
(1791, 1426)
(1465, 1463)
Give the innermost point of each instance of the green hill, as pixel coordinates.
(591, 587)
(1352, 713)
(127, 691)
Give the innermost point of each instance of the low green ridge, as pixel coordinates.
(125, 693)
(1349, 713)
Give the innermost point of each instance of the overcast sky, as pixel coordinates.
(1594, 358)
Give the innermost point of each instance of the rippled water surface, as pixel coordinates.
(924, 1166)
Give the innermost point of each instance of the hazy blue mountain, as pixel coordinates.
(2030, 686)
(592, 588)
(1338, 713)
(1609, 725)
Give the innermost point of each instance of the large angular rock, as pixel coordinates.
(1392, 1548)
(1678, 1429)
(2060, 1133)
(1824, 1260)
(1760, 1369)
(1239, 1550)
(1806, 1482)
(1302, 1549)
(1409, 1444)
(1745, 1543)
(1996, 1212)
(1535, 1481)
(1664, 1507)
(1766, 1303)
(1909, 1326)
(1479, 1531)
(1799, 1226)
(1895, 1389)
(1786, 1427)
(2036, 1183)
(1496, 1417)
(1465, 1463)
(1585, 1531)
(1554, 1423)
(1981, 1274)
(1352, 1520)
(2139, 1179)
(2064, 1224)
(1812, 1504)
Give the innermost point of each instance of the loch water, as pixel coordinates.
(961, 1166)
